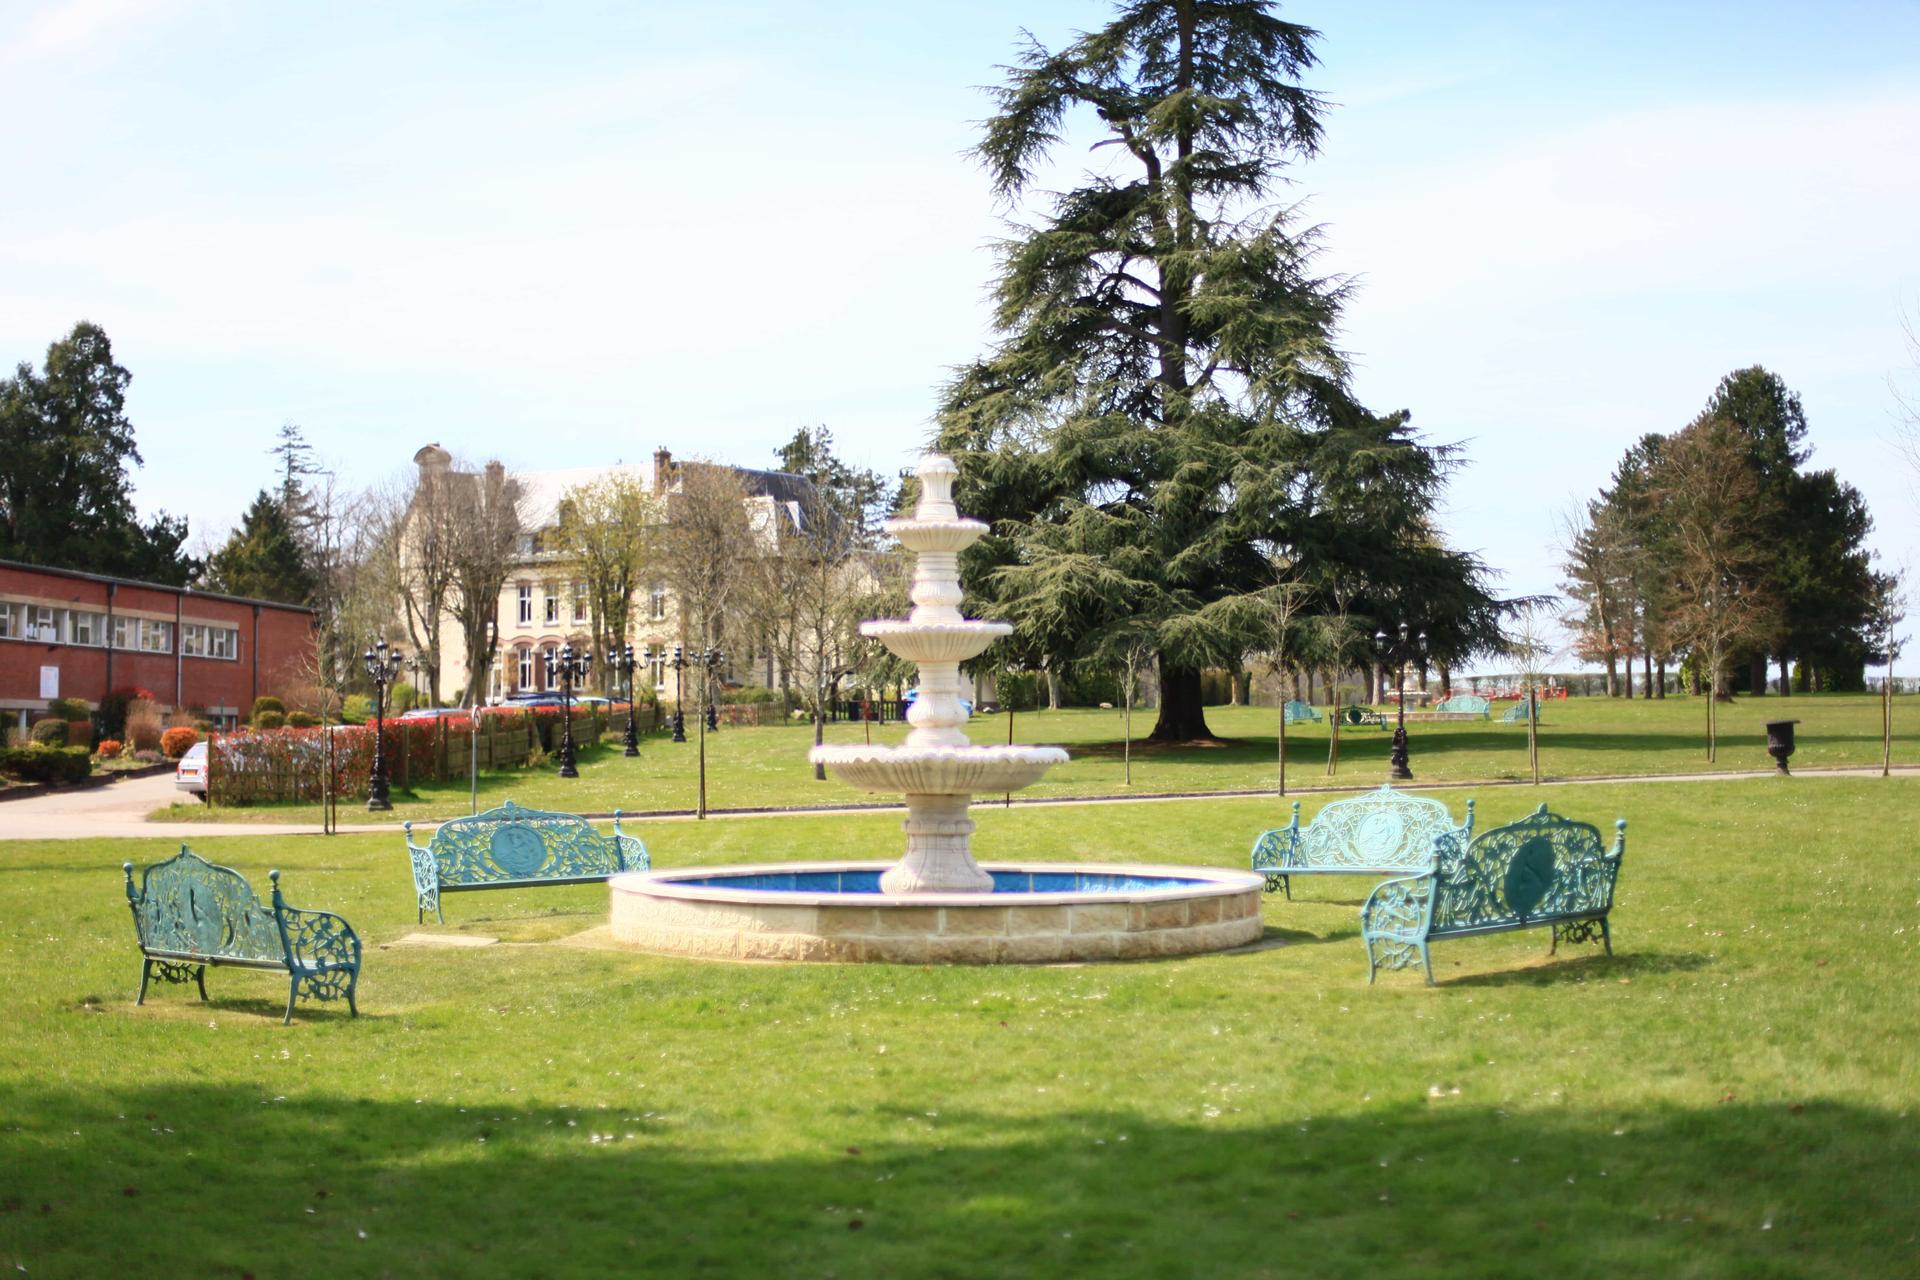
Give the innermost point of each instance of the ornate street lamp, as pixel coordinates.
(570, 669)
(679, 664)
(383, 668)
(1401, 651)
(710, 658)
(622, 663)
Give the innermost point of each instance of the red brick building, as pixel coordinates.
(80, 635)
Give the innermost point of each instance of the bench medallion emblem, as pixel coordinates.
(517, 851)
(1530, 876)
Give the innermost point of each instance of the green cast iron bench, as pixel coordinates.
(515, 848)
(1461, 706)
(1381, 833)
(1541, 870)
(1357, 716)
(1296, 711)
(1517, 713)
(189, 913)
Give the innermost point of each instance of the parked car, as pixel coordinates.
(191, 775)
(433, 713)
(913, 695)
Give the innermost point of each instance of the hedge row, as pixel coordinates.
(45, 764)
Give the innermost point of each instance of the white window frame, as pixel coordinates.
(579, 602)
(85, 623)
(193, 640)
(550, 608)
(43, 623)
(657, 602)
(223, 642)
(12, 618)
(126, 632)
(525, 616)
(155, 637)
(525, 656)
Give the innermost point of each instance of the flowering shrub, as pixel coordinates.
(109, 747)
(174, 742)
(143, 725)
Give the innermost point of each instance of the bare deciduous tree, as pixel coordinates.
(608, 527)
(706, 547)
(486, 529)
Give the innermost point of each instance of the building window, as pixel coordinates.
(12, 620)
(193, 640)
(224, 642)
(85, 628)
(156, 637)
(579, 602)
(525, 547)
(526, 605)
(551, 614)
(548, 657)
(657, 602)
(525, 656)
(658, 667)
(43, 623)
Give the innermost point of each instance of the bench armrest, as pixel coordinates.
(317, 941)
(632, 850)
(1399, 908)
(426, 875)
(1275, 850)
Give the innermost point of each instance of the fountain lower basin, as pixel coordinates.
(1036, 913)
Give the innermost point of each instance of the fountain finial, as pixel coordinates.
(937, 473)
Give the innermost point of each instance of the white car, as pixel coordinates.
(191, 776)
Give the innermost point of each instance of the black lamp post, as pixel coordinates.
(709, 658)
(679, 664)
(1400, 650)
(622, 662)
(383, 667)
(570, 669)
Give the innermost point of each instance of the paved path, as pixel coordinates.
(120, 809)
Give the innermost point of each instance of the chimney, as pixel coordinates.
(662, 470)
(433, 461)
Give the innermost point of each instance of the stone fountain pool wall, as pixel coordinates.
(1039, 913)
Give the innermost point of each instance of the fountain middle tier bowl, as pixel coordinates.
(939, 771)
(936, 641)
(1036, 913)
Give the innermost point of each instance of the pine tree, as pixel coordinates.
(1166, 408)
(263, 558)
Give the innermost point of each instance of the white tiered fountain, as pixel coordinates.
(936, 903)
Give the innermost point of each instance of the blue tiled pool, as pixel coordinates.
(868, 881)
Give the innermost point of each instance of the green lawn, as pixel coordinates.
(1732, 1095)
(1580, 738)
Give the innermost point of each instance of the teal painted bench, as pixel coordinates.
(1357, 716)
(1296, 712)
(1461, 706)
(189, 913)
(1381, 833)
(1517, 713)
(1541, 870)
(515, 848)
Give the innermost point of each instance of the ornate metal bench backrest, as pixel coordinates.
(514, 844)
(1463, 704)
(1542, 867)
(191, 907)
(1297, 712)
(1384, 829)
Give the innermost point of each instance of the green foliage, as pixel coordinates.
(302, 719)
(856, 495)
(356, 709)
(1167, 410)
(46, 762)
(69, 708)
(51, 732)
(270, 720)
(402, 697)
(1018, 690)
(263, 559)
(266, 703)
(113, 709)
(65, 492)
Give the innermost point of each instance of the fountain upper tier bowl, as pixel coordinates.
(939, 771)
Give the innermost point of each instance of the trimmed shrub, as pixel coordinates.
(1019, 690)
(108, 748)
(57, 765)
(49, 733)
(402, 697)
(79, 733)
(302, 720)
(270, 720)
(68, 709)
(204, 726)
(143, 725)
(113, 709)
(183, 718)
(175, 741)
(266, 703)
(357, 709)
(149, 757)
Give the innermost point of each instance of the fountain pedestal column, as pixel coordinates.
(939, 857)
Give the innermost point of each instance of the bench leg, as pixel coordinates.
(293, 994)
(353, 980)
(200, 980)
(1426, 958)
(146, 973)
(1606, 935)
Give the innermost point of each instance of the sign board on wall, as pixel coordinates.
(49, 682)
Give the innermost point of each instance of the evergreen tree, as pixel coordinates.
(858, 495)
(263, 558)
(66, 447)
(1166, 409)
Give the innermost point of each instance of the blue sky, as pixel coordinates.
(566, 233)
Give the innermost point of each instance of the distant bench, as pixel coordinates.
(515, 848)
(1381, 833)
(1461, 706)
(1541, 870)
(1297, 712)
(189, 913)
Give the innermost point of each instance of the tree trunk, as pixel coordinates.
(1241, 684)
(1786, 676)
(1053, 688)
(1183, 716)
(1757, 674)
(1660, 687)
(1646, 674)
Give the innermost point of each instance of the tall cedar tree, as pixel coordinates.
(1167, 408)
(65, 449)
